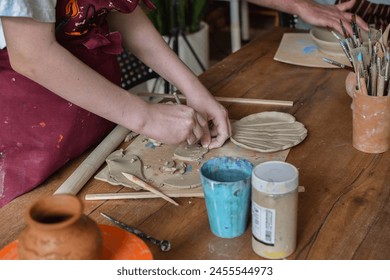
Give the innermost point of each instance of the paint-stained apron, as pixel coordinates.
(40, 131)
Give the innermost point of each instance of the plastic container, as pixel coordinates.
(274, 209)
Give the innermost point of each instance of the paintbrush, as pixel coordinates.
(336, 63)
(343, 29)
(334, 34)
(355, 30)
(343, 44)
(360, 60)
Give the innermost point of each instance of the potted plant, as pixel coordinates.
(185, 15)
(183, 20)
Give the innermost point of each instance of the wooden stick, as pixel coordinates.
(223, 99)
(92, 163)
(148, 187)
(140, 195)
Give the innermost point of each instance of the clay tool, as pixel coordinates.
(164, 245)
(362, 86)
(380, 88)
(336, 63)
(148, 187)
(224, 99)
(176, 98)
(373, 78)
(387, 66)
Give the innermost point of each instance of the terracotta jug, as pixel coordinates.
(57, 229)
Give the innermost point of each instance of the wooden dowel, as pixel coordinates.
(141, 195)
(148, 187)
(223, 99)
(92, 163)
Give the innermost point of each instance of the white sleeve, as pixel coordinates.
(40, 10)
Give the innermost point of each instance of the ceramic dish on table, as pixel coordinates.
(117, 245)
(326, 41)
(328, 44)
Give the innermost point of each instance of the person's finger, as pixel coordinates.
(346, 23)
(218, 141)
(205, 138)
(361, 23)
(197, 130)
(345, 6)
(222, 132)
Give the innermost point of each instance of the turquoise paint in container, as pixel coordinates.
(226, 183)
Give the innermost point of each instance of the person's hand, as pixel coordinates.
(216, 114)
(330, 15)
(174, 124)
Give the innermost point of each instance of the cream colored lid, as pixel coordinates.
(275, 177)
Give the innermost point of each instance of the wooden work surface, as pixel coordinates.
(344, 212)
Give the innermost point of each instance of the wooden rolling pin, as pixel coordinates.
(92, 163)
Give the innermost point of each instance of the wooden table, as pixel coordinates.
(344, 212)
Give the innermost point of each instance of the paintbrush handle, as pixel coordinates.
(148, 187)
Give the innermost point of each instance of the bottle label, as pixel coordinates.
(263, 224)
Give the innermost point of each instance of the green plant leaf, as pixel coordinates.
(189, 14)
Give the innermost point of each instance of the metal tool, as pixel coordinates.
(164, 245)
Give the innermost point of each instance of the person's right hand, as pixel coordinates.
(174, 124)
(330, 15)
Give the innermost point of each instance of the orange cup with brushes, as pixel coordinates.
(370, 118)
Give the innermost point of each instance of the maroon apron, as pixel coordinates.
(40, 131)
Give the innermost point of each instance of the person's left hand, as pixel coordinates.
(212, 111)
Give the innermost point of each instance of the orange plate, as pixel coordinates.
(117, 245)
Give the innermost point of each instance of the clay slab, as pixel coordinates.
(268, 132)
